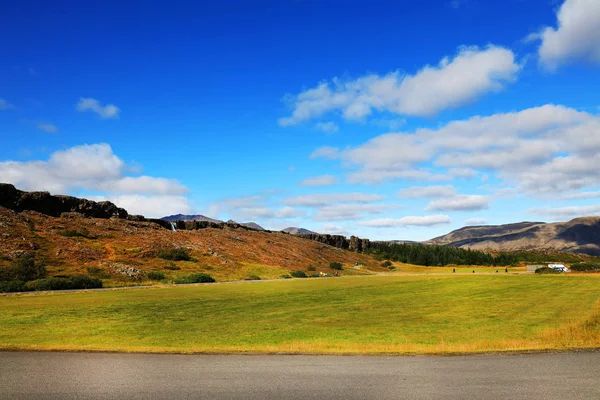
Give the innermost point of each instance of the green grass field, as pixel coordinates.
(354, 315)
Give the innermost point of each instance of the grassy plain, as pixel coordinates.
(426, 314)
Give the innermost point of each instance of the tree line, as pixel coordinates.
(427, 255)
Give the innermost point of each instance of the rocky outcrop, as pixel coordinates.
(341, 242)
(357, 244)
(45, 203)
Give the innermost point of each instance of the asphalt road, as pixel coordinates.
(26, 375)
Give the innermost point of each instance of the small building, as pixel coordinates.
(534, 267)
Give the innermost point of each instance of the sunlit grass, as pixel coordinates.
(370, 315)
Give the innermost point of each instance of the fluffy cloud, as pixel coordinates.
(150, 206)
(576, 36)
(95, 167)
(453, 82)
(332, 229)
(428, 192)
(327, 127)
(340, 212)
(91, 167)
(317, 200)
(50, 128)
(475, 221)
(461, 202)
(5, 105)
(428, 220)
(323, 180)
(262, 213)
(540, 151)
(565, 213)
(105, 112)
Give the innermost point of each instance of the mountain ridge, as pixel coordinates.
(579, 235)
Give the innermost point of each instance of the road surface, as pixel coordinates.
(28, 375)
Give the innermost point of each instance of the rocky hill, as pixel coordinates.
(580, 235)
(197, 217)
(79, 236)
(297, 231)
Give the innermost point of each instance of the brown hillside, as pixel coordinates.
(580, 235)
(73, 243)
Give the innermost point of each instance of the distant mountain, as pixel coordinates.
(396, 241)
(297, 231)
(251, 225)
(580, 235)
(182, 217)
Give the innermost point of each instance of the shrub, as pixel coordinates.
(174, 254)
(585, 266)
(335, 265)
(546, 270)
(298, 274)
(12, 286)
(156, 276)
(311, 268)
(25, 269)
(172, 267)
(195, 278)
(72, 282)
(386, 264)
(286, 276)
(51, 283)
(253, 278)
(83, 232)
(85, 282)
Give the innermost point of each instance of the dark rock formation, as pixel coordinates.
(45, 203)
(339, 241)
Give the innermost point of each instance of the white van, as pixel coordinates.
(558, 267)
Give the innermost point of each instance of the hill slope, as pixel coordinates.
(114, 248)
(580, 235)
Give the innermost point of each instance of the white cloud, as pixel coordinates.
(565, 213)
(475, 221)
(150, 206)
(472, 73)
(581, 195)
(325, 152)
(91, 167)
(332, 229)
(323, 180)
(540, 151)
(327, 127)
(50, 128)
(316, 200)
(428, 220)
(461, 202)
(263, 213)
(89, 104)
(341, 212)
(576, 37)
(428, 192)
(5, 105)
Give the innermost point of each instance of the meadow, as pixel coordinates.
(421, 314)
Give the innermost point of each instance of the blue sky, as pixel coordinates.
(388, 120)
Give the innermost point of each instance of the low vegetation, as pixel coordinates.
(298, 274)
(174, 254)
(546, 270)
(430, 255)
(336, 265)
(155, 276)
(195, 278)
(586, 267)
(427, 314)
